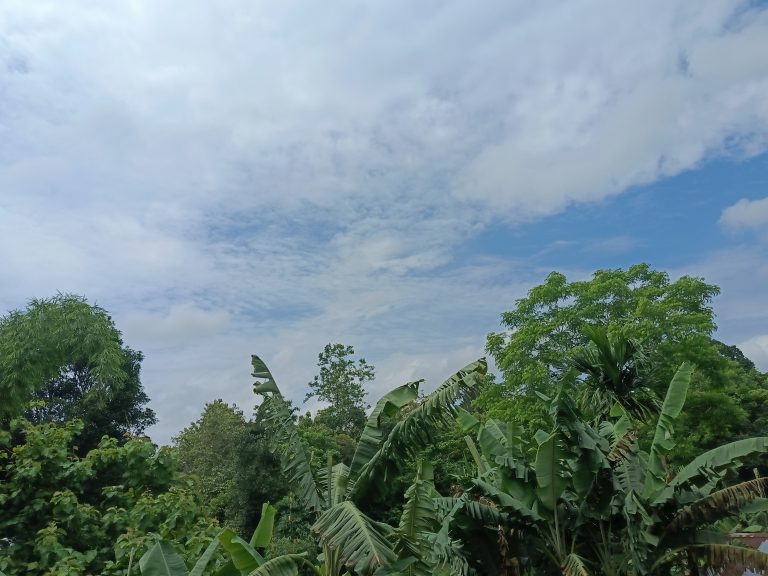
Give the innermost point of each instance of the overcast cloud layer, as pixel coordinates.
(235, 177)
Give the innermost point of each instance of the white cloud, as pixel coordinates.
(746, 214)
(232, 177)
(756, 349)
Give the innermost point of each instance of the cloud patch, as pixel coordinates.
(746, 215)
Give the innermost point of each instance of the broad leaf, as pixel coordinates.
(285, 565)
(417, 429)
(361, 542)
(295, 462)
(550, 471)
(162, 560)
(262, 535)
(716, 459)
(245, 558)
(373, 435)
(662, 438)
(718, 504)
(202, 562)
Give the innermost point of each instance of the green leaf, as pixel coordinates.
(295, 462)
(417, 429)
(719, 504)
(373, 435)
(261, 372)
(262, 536)
(662, 438)
(228, 570)
(243, 555)
(419, 518)
(550, 471)
(285, 565)
(517, 507)
(202, 562)
(162, 560)
(362, 543)
(714, 460)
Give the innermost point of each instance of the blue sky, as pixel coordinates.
(236, 177)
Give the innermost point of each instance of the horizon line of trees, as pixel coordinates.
(80, 493)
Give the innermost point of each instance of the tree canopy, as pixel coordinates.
(68, 356)
(233, 464)
(341, 383)
(672, 321)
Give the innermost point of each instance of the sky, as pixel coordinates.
(238, 177)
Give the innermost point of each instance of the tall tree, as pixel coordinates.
(232, 460)
(68, 356)
(671, 321)
(341, 383)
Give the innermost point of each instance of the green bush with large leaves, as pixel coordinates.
(68, 515)
(593, 500)
(349, 537)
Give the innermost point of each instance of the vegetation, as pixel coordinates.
(68, 355)
(672, 322)
(622, 439)
(231, 461)
(63, 514)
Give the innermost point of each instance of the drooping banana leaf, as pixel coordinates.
(417, 429)
(717, 459)
(162, 560)
(285, 565)
(662, 438)
(418, 519)
(295, 462)
(373, 435)
(719, 556)
(362, 543)
(515, 507)
(244, 556)
(718, 505)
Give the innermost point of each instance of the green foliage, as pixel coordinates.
(670, 322)
(592, 500)
(68, 355)
(350, 537)
(95, 514)
(341, 383)
(233, 465)
(244, 558)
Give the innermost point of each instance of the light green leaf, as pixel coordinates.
(202, 562)
(373, 435)
(662, 438)
(162, 560)
(550, 471)
(361, 542)
(262, 536)
(243, 555)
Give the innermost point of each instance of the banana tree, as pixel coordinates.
(348, 536)
(592, 500)
(244, 557)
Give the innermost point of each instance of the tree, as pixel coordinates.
(234, 466)
(68, 354)
(63, 514)
(671, 321)
(337, 495)
(341, 383)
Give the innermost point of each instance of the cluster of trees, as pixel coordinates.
(619, 437)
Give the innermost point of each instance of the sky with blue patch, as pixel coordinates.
(235, 177)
